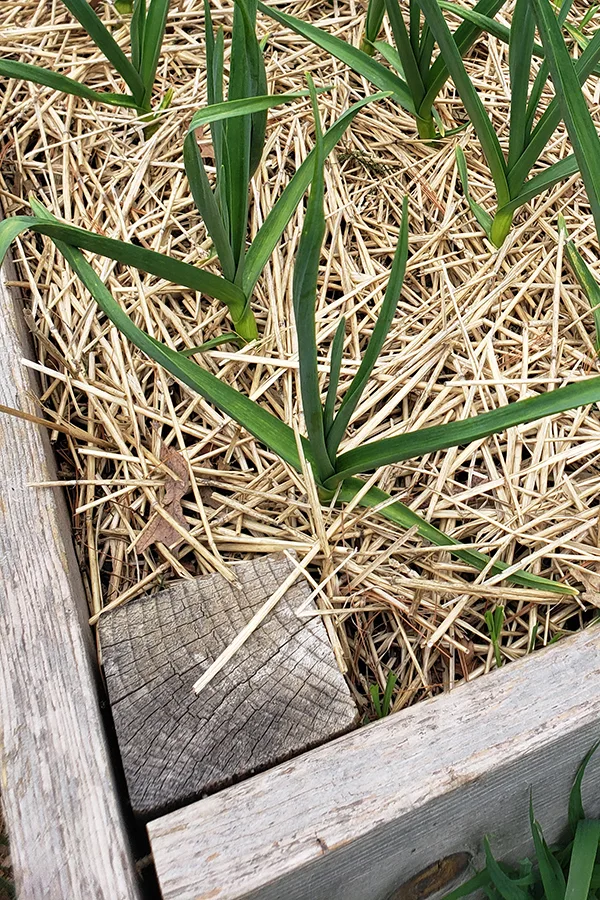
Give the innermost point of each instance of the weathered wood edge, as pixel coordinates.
(355, 819)
(68, 837)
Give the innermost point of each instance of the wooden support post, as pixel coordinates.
(282, 692)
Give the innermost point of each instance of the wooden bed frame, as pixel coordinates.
(354, 819)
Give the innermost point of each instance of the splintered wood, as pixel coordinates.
(280, 695)
(475, 328)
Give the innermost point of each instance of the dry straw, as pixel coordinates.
(476, 328)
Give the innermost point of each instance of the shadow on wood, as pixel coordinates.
(282, 692)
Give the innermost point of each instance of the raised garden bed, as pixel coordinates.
(356, 817)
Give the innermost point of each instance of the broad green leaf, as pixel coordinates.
(129, 254)
(576, 812)
(483, 23)
(337, 349)
(588, 16)
(464, 37)
(257, 82)
(483, 217)
(542, 182)
(388, 693)
(206, 204)
(304, 293)
(426, 46)
(439, 437)
(503, 883)
(542, 76)
(376, 341)
(105, 42)
(583, 857)
(391, 56)
(481, 880)
(230, 109)
(469, 96)
(38, 75)
(274, 225)
(154, 31)
(136, 31)
(571, 101)
(357, 60)
(237, 137)
(414, 25)
(520, 50)
(550, 120)
(230, 338)
(493, 27)
(402, 515)
(257, 421)
(374, 21)
(551, 873)
(374, 692)
(214, 80)
(410, 63)
(587, 282)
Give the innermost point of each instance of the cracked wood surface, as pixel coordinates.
(281, 694)
(364, 815)
(68, 839)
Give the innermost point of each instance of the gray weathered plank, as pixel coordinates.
(282, 692)
(68, 839)
(360, 816)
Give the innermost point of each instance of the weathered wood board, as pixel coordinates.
(280, 694)
(357, 818)
(68, 838)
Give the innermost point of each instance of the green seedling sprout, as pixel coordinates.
(383, 705)
(238, 136)
(566, 872)
(235, 290)
(147, 28)
(527, 137)
(413, 76)
(415, 81)
(494, 619)
(584, 139)
(335, 473)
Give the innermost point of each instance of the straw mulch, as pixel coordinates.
(475, 328)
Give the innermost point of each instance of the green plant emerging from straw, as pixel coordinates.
(325, 422)
(147, 30)
(527, 137)
(238, 136)
(417, 81)
(413, 77)
(567, 872)
(231, 198)
(583, 135)
(494, 620)
(382, 704)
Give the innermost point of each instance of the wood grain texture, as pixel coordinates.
(280, 694)
(67, 836)
(356, 819)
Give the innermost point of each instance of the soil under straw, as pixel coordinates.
(475, 328)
